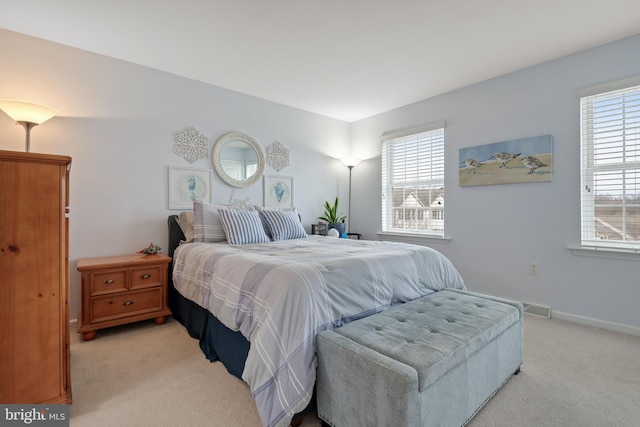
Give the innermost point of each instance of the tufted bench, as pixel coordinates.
(434, 361)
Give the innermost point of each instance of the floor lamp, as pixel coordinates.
(26, 114)
(350, 162)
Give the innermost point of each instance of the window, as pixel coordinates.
(610, 165)
(413, 181)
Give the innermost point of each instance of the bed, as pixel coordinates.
(257, 307)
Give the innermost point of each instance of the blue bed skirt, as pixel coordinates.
(217, 342)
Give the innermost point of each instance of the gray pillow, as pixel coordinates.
(185, 221)
(206, 223)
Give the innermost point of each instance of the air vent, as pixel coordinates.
(537, 310)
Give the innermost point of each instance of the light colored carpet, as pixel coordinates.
(147, 375)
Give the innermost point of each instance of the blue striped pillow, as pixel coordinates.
(242, 227)
(283, 224)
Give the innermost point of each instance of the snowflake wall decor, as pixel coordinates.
(277, 156)
(191, 145)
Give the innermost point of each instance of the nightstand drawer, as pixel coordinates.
(146, 277)
(108, 281)
(109, 307)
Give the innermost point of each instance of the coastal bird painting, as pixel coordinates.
(504, 158)
(507, 162)
(472, 165)
(532, 163)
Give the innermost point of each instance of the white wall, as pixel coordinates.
(116, 120)
(497, 230)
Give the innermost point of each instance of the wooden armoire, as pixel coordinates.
(34, 278)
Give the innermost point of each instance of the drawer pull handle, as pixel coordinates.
(109, 281)
(128, 302)
(146, 276)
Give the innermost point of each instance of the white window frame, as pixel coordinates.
(429, 175)
(605, 155)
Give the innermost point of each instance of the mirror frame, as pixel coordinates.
(217, 165)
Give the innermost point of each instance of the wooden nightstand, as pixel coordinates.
(122, 289)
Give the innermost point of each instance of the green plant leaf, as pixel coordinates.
(331, 213)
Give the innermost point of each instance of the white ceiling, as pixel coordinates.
(347, 59)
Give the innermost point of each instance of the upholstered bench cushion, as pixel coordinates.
(431, 362)
(434, 333)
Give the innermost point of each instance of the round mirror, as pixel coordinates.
(238, 159)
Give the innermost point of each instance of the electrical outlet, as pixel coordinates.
(534, 268)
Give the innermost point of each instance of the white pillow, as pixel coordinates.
(283, 224)
(242, 227)
(206, 223)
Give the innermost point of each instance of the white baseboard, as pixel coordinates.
(603, 324)
(588, 321)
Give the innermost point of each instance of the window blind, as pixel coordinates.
(413, 182)
(610, 169)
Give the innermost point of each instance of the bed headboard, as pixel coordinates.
(175, 234)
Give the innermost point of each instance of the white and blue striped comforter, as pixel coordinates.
(279, 295)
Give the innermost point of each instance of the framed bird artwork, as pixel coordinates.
(507, 162)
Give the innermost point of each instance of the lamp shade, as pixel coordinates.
(21, 111)
(350, 161)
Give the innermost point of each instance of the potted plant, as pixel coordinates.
(332, 217)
